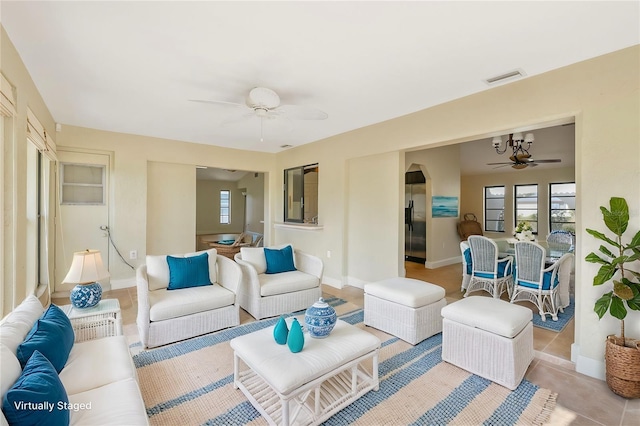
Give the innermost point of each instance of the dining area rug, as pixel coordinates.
(563, 318)
(191, 382)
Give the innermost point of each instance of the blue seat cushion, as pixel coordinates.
(546, 282)
(503, 271)
(467, 259)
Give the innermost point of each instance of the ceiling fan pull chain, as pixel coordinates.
(261, 121)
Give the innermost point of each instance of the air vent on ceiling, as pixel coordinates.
(286, 146)
(512, 75)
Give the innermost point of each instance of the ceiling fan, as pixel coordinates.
(520, 158)
(264, 103)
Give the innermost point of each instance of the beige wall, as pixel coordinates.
(472, 190)
(171, 208)
(602, 94)
(208, 207)
(253, 184)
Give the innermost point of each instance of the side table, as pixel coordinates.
(102, 320)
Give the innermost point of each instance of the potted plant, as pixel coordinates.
(622, 355)
(524, 232)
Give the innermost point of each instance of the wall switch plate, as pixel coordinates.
(133, 254)
(328, 253)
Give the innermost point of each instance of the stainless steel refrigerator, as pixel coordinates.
(415, 217)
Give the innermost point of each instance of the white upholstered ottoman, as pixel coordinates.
(488, 337)
(404, 307)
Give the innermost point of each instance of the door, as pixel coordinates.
(83, 210)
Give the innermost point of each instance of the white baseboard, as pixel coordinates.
(587, 366)
(443, 262)
(123, 283)
(356, 282)
(333, 282)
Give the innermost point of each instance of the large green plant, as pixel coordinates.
(626, 292)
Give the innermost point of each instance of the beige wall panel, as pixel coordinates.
(253, 184)
(373, 239)
(171, 206)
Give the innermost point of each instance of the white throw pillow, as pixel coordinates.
(158, 268)
(255, 256)
(17, 324)
(10, 371)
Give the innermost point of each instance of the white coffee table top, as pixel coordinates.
(285, 371)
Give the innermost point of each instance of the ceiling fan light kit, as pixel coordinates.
(520, 157)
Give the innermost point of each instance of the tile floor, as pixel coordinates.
(581, 400)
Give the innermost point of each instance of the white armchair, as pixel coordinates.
(267, 295)
(167, 316)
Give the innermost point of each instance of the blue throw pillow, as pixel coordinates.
(185, 272)
(279, 260)
(37, 397)
(52, 335)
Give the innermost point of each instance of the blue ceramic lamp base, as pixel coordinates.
(86, 295)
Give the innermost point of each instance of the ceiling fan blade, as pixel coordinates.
(502, 165)
(235, 119)
(300, 112)
(218, 102)
(554, 160)
(495, 164)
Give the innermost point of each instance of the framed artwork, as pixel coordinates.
(444, 206)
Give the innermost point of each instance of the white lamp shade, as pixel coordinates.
(86, 267)
(529, 137)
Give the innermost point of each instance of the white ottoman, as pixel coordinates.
(488, 337)
(404, 307)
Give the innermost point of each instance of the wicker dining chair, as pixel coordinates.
(489, 273)
(535, 283)
(465, 251)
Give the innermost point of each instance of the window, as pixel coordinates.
(225, 207)
(301, 194)
(494, 208)
(82, 184)
(526, 206)
(562, 207)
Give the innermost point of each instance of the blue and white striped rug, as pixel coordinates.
(191, 383)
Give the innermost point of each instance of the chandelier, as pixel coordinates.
(520, 146)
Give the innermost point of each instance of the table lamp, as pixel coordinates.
(86, 269)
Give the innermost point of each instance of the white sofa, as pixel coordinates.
(167, 316)
(99, 376)
(266, 295)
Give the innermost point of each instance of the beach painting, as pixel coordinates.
(444, 206)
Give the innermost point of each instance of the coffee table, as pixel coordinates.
(307, 387)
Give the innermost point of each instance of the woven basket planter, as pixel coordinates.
(623, 368)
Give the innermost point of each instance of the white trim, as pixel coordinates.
(356, 282)
(587, 366)
(443, 262)
(299, 226)
(333, 282)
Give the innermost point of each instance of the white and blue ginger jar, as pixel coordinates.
(320, 319)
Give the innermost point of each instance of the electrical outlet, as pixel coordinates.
(328, 253)
(133, 254)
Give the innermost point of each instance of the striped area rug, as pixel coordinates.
(191, 383)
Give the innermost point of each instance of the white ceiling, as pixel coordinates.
(133, 66)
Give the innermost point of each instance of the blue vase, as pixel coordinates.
(295, 341)
(320, 319)
(281, 331)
